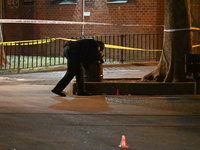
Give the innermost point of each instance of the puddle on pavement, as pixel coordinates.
(87, 104)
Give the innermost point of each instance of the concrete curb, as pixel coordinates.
(102, 88)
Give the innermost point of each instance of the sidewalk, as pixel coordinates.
(34, 118)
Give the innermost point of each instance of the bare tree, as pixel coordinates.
(3, 60)
(2, 54)
(176, 43)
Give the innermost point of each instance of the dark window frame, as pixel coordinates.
(64, 2)
(117, 1)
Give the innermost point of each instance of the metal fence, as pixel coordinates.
(49, 52)
(196, 41)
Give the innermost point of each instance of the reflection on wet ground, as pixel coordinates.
(81, 104)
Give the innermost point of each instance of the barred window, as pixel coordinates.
(89, 3)
(28, 2)
(195, 12)
(63, 2)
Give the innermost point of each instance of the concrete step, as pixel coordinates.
(139, 88)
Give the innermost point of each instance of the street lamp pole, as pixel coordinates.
(83, 18)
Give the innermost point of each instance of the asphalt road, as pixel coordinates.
(31, 117)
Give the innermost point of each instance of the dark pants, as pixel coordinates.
(74, 68)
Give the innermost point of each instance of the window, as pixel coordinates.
(116, 1)
(28, 2)
(195, 11)
(63, 2)
(89, 3)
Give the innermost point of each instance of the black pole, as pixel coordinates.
(122, 51)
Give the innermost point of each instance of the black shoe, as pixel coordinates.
(83, 93)
(60, 93)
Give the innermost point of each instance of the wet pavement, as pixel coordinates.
(34, 118)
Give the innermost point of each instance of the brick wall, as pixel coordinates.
(16, 10)
(141, 12)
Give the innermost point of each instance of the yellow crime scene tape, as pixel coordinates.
(43, 41)
(114, 46)
(28, 42)
(128, 48)
(32, 42)
(195, 28)
(139, 49)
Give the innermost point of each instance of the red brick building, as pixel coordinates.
(135, 12)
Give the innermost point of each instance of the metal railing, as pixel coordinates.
(46, 53)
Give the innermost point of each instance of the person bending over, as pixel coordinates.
(81, 53)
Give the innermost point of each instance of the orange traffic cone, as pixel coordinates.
(123, 142)
(117, 92)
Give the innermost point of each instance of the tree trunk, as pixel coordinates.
(176, 43)
(2, 54)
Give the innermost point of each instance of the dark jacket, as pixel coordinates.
(87, 50)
